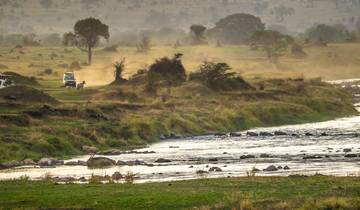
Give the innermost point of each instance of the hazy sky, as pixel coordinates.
(58, 16)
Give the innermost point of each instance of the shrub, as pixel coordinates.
(129, 177)
(44, 148)
(217, 77)
(118, 73)
(170, 70)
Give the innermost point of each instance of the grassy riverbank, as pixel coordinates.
(30, 130)
(127, 116)
(318, 192)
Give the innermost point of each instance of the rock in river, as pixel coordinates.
(100, 162)
(280, 133)
(162, 160)
(351, 155)
(247, 157)
(252, 134)
(45, 162)
(271, 168)
(117, 176)
(215, 169)
(264, 156)
(10, 164)
(347, 150)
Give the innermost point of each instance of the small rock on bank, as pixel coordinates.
(271, 168)
(100, 162)
(162, 160)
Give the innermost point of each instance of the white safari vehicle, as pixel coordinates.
(69, 80)
(4, 81)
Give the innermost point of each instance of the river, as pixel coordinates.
(306, 149)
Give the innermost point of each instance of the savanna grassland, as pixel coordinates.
(336, 61)
(126, 116)
(315, 193)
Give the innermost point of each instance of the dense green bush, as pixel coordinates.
(217, 77)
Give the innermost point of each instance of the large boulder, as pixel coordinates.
(263, 133)
(346, 150)
(100, 162)
(252, 134)
(116, 176)
(46, 162)
(271, 168)
(264, 156)
(351, 155)
(280, 133)
(215, 169)
(10, 164)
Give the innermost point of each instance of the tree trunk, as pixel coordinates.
(89, 55)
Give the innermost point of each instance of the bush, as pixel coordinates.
(216, 77)
(171, 70)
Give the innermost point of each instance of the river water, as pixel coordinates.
(330, 140)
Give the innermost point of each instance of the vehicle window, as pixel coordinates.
(69, 77)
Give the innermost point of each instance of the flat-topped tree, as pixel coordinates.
(87, 34)
(198, 32)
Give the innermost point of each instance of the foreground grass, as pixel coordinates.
(318, 192)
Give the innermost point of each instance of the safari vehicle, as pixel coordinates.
(5, 81)
(69, 80)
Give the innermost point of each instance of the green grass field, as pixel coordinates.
(318, 192)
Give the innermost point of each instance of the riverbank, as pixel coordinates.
(296, 192)
(123, 117)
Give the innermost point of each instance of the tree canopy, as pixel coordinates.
(273, 43)
(327, 33)
(236, 28)
(87, 34)
(198, 32)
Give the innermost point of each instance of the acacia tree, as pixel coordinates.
(236, 28)
(273, 43)
(198, 32)
(87, 34)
